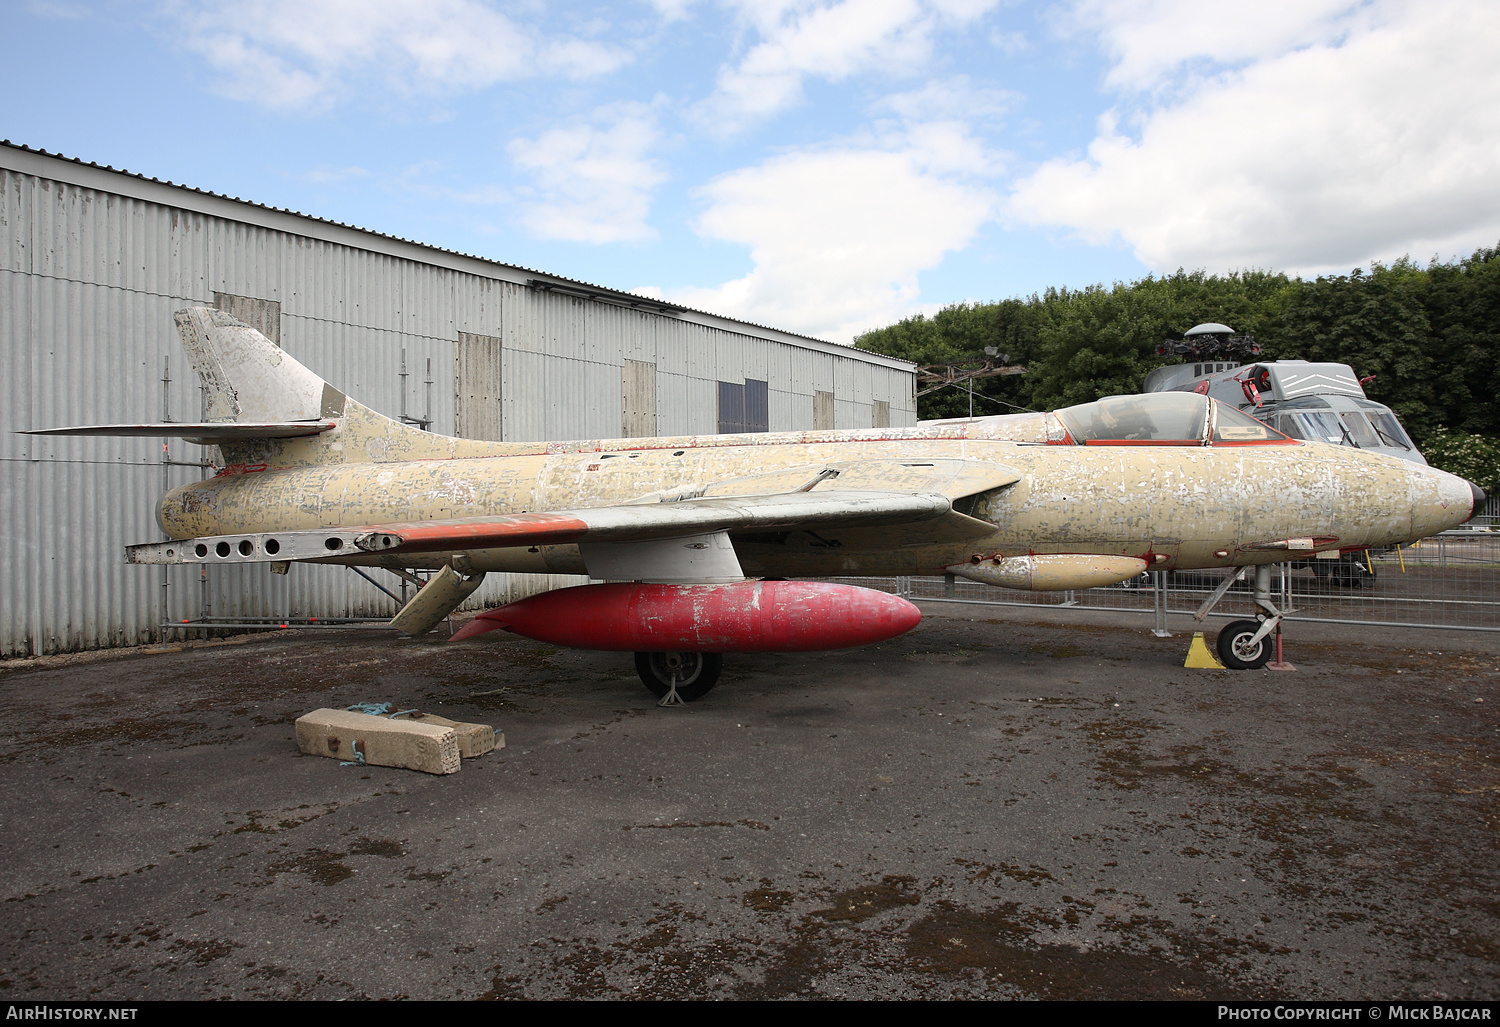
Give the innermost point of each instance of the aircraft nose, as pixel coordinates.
(1441, 501)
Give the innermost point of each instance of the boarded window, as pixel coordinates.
(744, 408)
(822, 410)
(881, 417)
(731, 408)
(638, 399)
(476, 378)
(262, 315)
(757, 405)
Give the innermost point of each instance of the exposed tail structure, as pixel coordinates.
(251, 379)
(247, 376)
(265, 410)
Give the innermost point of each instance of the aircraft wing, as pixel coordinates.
(629, 522)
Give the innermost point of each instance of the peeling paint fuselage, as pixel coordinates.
(1174, 506)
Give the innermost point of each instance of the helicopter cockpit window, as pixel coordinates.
(1234, 427)
(1162, 419)
(1325, 425)
(1389, 429)
(1360, 431)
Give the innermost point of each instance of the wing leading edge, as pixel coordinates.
(624, 523)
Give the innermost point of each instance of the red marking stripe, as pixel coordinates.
(490, 533)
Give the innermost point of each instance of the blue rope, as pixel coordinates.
(374, 709)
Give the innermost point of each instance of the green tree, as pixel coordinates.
(1430, 336)
(1103, 342)
(1377, 323)
(959, 334)
(1462, 300)
(1475, 457)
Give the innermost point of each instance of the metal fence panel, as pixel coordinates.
(1449, 581)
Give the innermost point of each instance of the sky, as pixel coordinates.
(821, 166)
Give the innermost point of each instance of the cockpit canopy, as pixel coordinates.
(1165, 419)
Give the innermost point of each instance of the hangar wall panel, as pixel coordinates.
(94, 262)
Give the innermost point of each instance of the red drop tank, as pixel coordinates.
(744, 617)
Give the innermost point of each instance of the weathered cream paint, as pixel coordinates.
(1171, 506)
(1050, 573)
(1182, 503)
(439, 597)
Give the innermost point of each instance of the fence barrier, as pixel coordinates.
(1449, 581)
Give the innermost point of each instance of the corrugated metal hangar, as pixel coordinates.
(93, 263)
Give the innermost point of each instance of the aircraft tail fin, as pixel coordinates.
(264, 409)
(249, 378)
(251, 381)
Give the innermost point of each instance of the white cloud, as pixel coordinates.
(828, 40)
(672, 10)
(57, 9)
(593, 182)
(483, 195)
(1149, 40)
(838, 236)
(1336, 141)
(329, 173)
(955, 97)
(292, 53)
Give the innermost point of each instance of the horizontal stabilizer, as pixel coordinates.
(206, 433)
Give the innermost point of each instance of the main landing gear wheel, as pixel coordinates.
(1236, 649)
(693, 673)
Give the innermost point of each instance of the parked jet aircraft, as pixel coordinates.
(1089, 495)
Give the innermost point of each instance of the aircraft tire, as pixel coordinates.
(1232, 648)
(697, 673)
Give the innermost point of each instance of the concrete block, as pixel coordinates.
(473, 739)
(382, 742)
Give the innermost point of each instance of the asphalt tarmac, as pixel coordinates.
(1000, 804)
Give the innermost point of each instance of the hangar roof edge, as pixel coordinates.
(339, 232)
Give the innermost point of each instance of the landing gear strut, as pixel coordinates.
(676, 678)
(1247, 644)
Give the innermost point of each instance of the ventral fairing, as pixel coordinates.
(695, 534)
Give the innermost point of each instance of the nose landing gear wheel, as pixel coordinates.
(695, 673)
(1236, 650)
